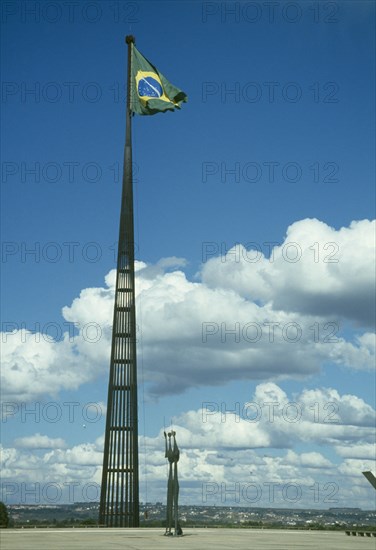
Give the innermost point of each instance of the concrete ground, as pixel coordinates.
(193, 539)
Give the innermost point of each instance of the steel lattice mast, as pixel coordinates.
(119, 504)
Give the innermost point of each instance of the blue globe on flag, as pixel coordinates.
(149, 87)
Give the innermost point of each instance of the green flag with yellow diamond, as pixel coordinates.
(151, 92)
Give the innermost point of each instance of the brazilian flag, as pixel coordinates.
(151, 92)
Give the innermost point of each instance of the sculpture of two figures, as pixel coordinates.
(172, 454)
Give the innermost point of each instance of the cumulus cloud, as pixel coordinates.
(38, 441)
(58, 464)
(34, 365)
(316, 270)
(353, 467)
(308, 460)
(226, 458)
(329, 407)
(264, 320)
(85, 454)
(365, 451)
(272, 419)
(227, 453)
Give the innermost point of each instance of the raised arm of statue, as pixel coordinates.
(165, 435)
(169, 451)
(175, 451)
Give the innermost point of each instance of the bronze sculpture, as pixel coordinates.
(172, 453)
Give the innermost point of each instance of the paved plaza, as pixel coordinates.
(193, 539)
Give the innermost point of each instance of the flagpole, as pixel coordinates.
(119, 505)
(119, 502)
(128, 180)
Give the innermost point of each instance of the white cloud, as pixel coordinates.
(85, 454)
(224, 455)
(353, 467)
(208, 333)
(81, 462)
(333, 275)
(34, 365)
(273, 419)
(38, 441)
(365, 451)
(308, 460)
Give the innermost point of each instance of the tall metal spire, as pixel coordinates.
(119, 504)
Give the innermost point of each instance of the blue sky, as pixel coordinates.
(275, 145)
